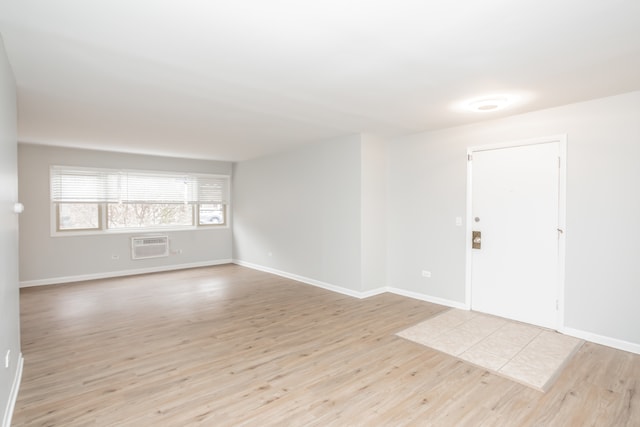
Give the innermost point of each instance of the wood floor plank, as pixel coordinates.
(231, 346)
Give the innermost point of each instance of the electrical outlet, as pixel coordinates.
(426, 273)
(114, 256)
(7, 358)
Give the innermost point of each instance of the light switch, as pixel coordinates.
(459, 221)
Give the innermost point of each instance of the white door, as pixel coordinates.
(515, 206)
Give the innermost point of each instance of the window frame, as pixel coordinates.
(61, 230)
(154, 228)
(197, 215)
(103, 210)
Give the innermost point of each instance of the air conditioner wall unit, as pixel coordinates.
(144, 247)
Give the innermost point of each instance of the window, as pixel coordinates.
(211, 214)
(145, 215)
(78, 216)
(101, 200)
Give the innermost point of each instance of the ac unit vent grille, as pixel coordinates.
(149, 247)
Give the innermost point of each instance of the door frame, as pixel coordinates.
(561, 139)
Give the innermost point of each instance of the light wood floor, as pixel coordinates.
(229, 346)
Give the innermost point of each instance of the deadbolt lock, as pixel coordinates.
(476, 240)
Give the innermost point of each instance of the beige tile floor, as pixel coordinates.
(524, 353)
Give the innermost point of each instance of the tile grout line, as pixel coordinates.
(522, 348)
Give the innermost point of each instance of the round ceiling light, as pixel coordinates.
(485, 105)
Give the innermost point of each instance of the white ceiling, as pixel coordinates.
(237, 79)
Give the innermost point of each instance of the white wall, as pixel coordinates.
(298, 212)
(373, 212)
(313, 213)
(427, 180)
(9, 302)
(47, 259)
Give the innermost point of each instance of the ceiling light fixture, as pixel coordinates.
(490, 102)
(485, 105)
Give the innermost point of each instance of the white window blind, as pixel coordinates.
(82, 185)
(143, 187)
(92, 185)
(213, 189)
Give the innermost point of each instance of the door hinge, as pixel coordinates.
(559, 162)
(469, 157)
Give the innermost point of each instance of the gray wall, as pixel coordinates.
(313, 212)
(373, 208)
(427, 178)
(299, 212)
(9, 305)
(50, 259)
(320, 213)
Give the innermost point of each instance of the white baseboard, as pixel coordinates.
(588, 336)
(309, 281)
(427, 298)
(13, 395)
(109, 274)
(598, 339)
(373, 292)
(351, 292)
(604, 340)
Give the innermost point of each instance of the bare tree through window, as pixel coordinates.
(141, 215)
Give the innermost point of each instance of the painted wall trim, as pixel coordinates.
(595, 338)
(13, 396)
(603, 340)
(110, 274)
(351, 292)
(427, 298)
(313, 282)
(374, 292)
